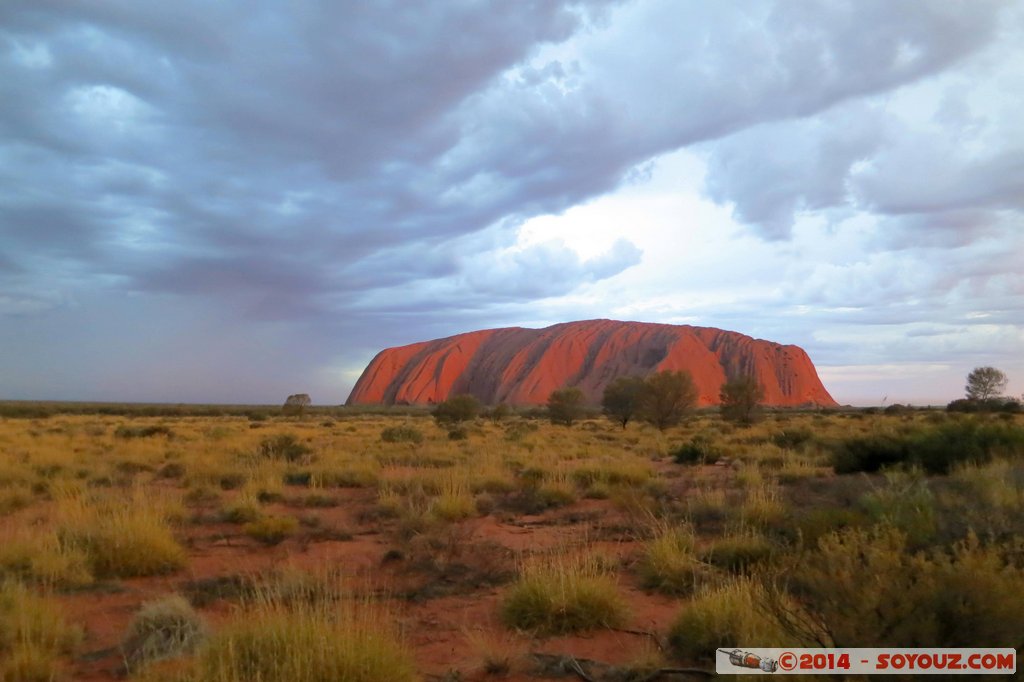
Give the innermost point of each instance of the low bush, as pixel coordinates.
(792, 438)
(171, 470)
(165, 628)
(939, 598)
(869, 453)
(458, 433)
(1004, 405)
(700, 450)
(936, 448)
(456, 410)
(271, 530)
(244, 509)
(142, 431)
(401, 434)
(283, 446)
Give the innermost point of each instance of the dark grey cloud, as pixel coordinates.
(939, 163)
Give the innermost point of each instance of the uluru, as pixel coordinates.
(520, 366)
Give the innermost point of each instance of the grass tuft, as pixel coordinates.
(563, 593)
(33, 636)
(669, 564)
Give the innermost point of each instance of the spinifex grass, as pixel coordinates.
(121, 537)
(722, 616)
(39, 557)
(668, 563)
(560, 593)
(455, 501)
(33, 636)
(328, 635)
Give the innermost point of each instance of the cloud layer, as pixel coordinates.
(263, 196)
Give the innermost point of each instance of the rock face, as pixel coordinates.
(522, 366)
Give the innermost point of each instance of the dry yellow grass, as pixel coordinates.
(86, 500)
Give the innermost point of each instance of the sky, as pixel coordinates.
(240, 200)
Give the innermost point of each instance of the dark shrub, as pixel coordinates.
(700, 450)
(283, 446)
(869, 453)
(939, 449)
(401, 434)
(791, 439)
(142, 431)
(457, 409)
(936, 449)
(565, 405)
(231, 481)
(498, 413)
(171, 470)
(298, 478)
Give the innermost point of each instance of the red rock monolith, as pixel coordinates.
(522, 366)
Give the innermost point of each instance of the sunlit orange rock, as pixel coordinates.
(522, 366)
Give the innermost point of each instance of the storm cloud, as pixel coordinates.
(283, 190)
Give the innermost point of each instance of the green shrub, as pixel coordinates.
(699, 450)
(813, 524)
(936, 448)
(968, 440)
(869, 453)
(867, 589)
(498, 413)
(401, 434)
(566, 405)
(456, 410)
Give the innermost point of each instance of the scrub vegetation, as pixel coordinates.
(347, 544)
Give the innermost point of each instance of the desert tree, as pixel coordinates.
(621, 399)
(667, 397)
(457, 409)
(565, 405)
(296, 404)
(985, 383)
(741, 399)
